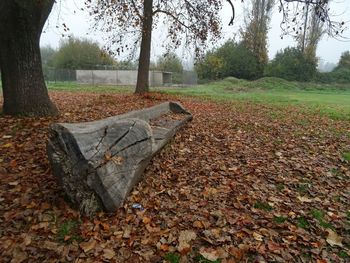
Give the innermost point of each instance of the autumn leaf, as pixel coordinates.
(334, 239)
(7, 145)
(304, 199)
(146, 220)
(88, 246)
(185, 238)
(19, 256)
(209, 253)
(195, 197)
(108, 253)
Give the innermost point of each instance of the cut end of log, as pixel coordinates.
(98, 163)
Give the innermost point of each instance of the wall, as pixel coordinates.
(116, 77)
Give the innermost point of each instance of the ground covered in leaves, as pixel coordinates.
(241, 183)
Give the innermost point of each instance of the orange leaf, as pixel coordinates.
(198, 224)
(146, 220)
(13, 163)
(164, 247)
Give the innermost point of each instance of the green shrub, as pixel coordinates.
(291, 64)
(340, 75)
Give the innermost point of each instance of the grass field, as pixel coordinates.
(331, 100)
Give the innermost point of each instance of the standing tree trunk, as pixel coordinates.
(24, 89)
(142, 85)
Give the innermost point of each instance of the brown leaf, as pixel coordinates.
(209, 253)
(18, 256)
(108, 253)
(237, 253)
(53, 246)
(89, 245)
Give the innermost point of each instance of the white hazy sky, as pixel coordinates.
(79, 23)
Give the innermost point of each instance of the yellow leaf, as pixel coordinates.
(304, 199)
(257, 236)
(108, 253)
(334, 239)
(185, 238)
(7, 145)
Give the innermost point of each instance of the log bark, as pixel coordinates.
(98, 163)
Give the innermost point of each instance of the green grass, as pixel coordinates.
(319, 216)
(329, 100)
(68, 231)
(280, 219)
(346, 156)
(263, 206)
(302, 222)
(172, 258)
(74, 87)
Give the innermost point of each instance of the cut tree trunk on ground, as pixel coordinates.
(98, 163)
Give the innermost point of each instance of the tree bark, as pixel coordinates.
(24, 89)
(98, 163)
(142, 84)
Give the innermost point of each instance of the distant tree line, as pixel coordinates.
(234, 59)
(76, 53)
(248, 57)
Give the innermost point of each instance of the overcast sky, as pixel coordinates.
(79, 23)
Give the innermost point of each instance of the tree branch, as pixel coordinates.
(233, 12)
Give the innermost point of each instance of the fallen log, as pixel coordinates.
(98, 163)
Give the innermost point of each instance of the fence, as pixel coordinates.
(59, 75)
(118, 77)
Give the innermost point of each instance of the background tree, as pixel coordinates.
(210, 67)
(126, 65)
(254, 33)
(171, 63)
(291, 64)
(75, 53)
(193, 21)
(344, 61)
(311, 33)
(47, 55)
(24, 89)
(231, 59)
